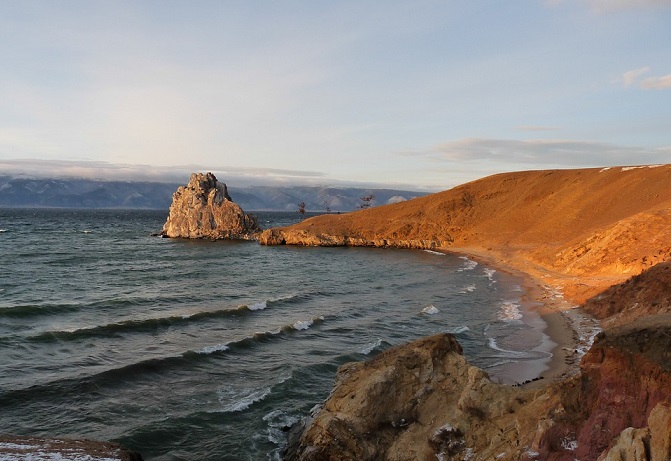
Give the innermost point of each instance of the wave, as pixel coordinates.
(509, 312)
(430, 310)
(437, 253)
(152, 324)
(469, 289)
(489, 273)
(46, 309)
(156, 365)
(468, 264)
(459, 330)
(260, 337)
(370, 347)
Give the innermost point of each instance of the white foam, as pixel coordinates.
(258, 306)
(438, 253)
(468, 264)
(303, 324)
(461, 329)
(509, 311)
(246, 401)
(212, 349)
(17, 446)
(489, 273)
(370, 347)
(3, 230)
(430, 310)
(469, 289)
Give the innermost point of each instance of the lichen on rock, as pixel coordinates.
(203, 209)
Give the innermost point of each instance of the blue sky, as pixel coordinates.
(412, 94)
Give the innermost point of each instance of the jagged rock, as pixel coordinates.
(203, 209)
(420, 401)
(652, 443)
(39, 449)
(424, 401)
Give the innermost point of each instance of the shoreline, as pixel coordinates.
(567, 331)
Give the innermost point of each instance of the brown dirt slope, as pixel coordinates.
(607, 223)
(646, 294)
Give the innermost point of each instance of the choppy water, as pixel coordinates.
(201, 350)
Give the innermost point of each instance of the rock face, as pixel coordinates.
(421, 401)
(203, 209)
(424, 401)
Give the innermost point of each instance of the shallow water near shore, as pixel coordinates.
(186, 350)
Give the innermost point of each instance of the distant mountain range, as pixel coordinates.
(86, 193)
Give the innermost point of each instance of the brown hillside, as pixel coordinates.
(606, 224)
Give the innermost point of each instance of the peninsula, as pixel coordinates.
(599, 236)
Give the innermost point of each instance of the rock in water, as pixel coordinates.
(203, 209)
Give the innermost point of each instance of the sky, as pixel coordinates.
(420, 94)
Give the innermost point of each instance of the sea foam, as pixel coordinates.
(430, 310)
(509, 311)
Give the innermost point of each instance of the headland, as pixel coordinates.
(574, 234)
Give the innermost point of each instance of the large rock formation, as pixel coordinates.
(424, 401)
(203, 209)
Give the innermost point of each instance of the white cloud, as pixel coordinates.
(545, 152)
(657, 83)
(632, 77)
(629, 78)
(135, 172)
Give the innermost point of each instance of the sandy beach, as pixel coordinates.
(566, 330)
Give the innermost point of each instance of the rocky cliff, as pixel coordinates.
(203, 209)
(423, 401)
(580, 231)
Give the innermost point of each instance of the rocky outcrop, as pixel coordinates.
(43, 449)
(203, 209)
(424, 401)
(421, 401)
(305, 238)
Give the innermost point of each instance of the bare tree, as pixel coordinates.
(366, 201)
(301, 208)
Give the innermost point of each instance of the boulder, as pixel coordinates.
(203, 209)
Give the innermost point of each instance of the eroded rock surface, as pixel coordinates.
(203, 209)
(423, 401)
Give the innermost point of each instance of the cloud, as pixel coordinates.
(629, 78)
(129, 172)
(545, 153)
(657, 83)
(632, 77)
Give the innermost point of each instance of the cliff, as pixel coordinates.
(423, 401)
(601, 236)
(583, 230)
(203, 209)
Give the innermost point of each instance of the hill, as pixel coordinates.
(88, 193)
(582, 230)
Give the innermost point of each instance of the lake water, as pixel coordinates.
(209, 350)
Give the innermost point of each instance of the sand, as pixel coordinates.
(567, 331)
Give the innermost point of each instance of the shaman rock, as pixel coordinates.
(203, 209)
